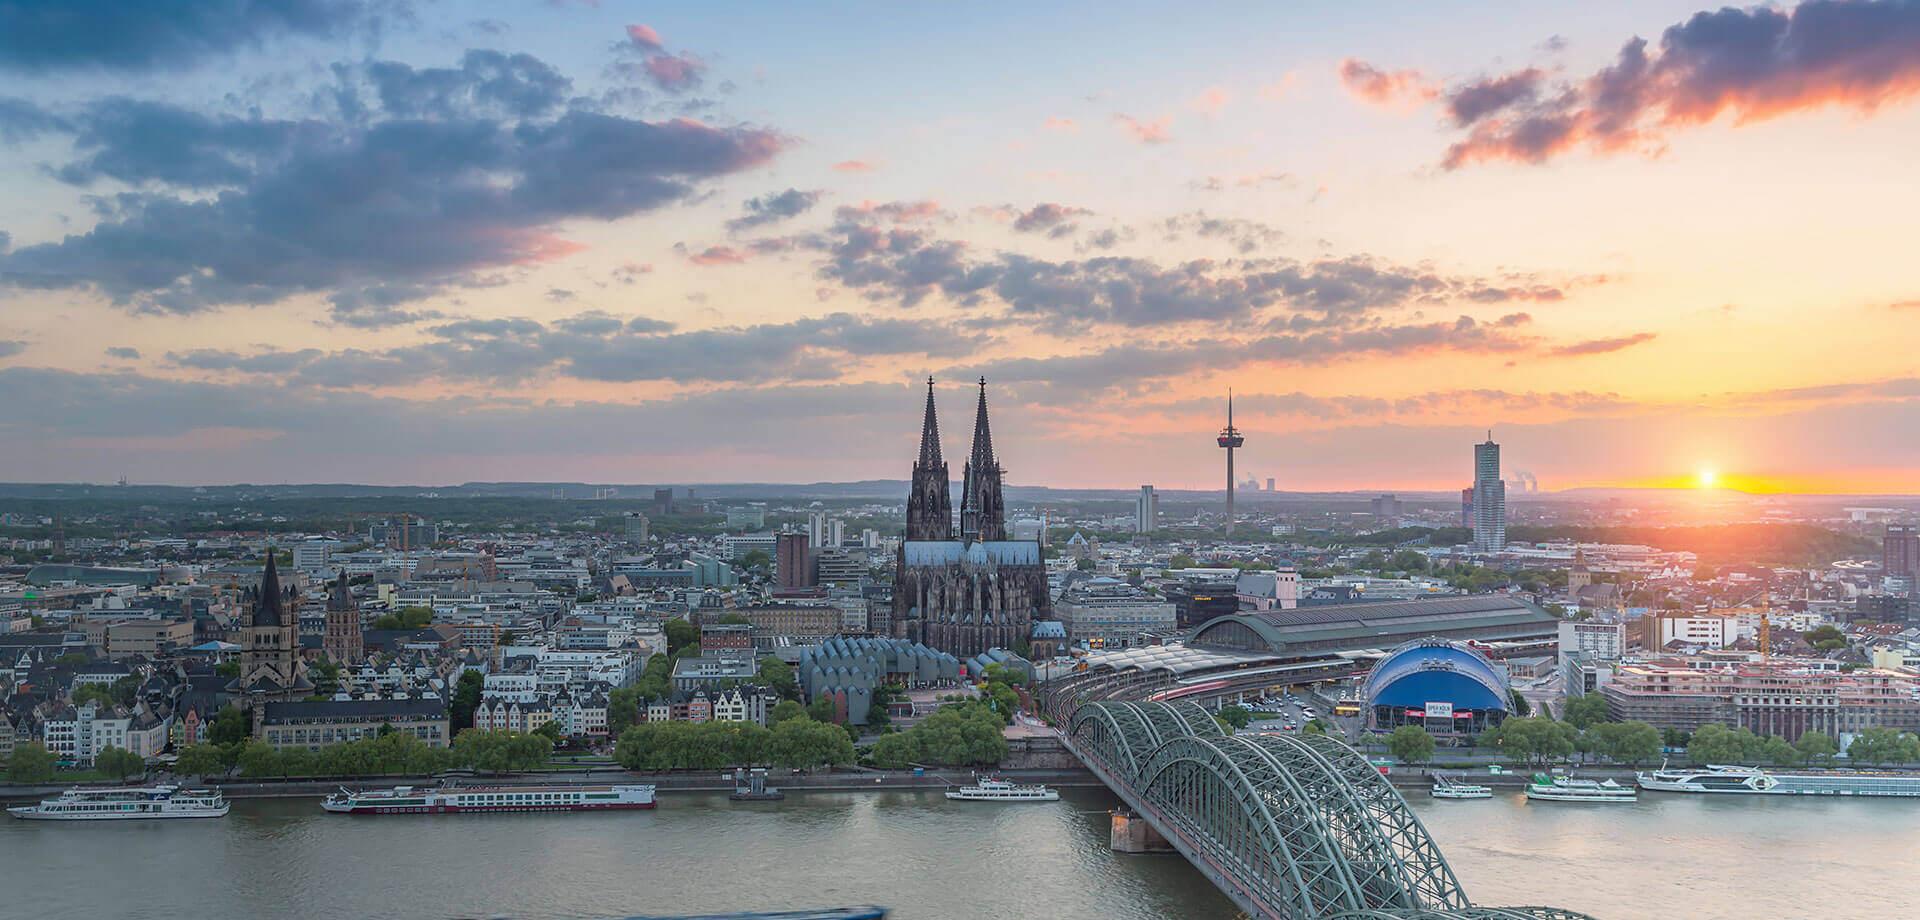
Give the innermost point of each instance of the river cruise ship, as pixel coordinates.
(447, 800)
(146, 802)
(998, 790)
(1561, 789)
(1444, 788)
(1753, 781)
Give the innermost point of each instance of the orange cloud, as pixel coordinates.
(855, 166)
(718, 255)
(1146, 132)
(1379, 87)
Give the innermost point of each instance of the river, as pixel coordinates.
(1703, 858)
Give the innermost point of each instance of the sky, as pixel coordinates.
(1642, 243)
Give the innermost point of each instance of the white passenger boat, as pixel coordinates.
(409, 800)
(1562, 789)
(145, 802)
(989, 789)
(1753, 781)
(1444, 788)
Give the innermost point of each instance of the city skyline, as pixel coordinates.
(569, 242)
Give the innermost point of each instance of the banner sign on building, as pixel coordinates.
(1439, 710)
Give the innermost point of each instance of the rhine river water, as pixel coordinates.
(1735, 858)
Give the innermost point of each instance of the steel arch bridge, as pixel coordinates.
(1290, 827)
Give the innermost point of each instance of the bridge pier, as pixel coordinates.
(1130, 833)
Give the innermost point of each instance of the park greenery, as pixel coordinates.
(30, 763)
(405, 618)
(957, 734)
(390, 752)
(796, 741)
(1234, 717)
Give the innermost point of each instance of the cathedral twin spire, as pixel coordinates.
(929, 504)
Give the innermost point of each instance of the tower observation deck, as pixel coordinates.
(1230, 439)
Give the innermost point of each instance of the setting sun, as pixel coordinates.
(1706, 478)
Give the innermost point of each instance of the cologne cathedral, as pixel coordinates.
(981, 591)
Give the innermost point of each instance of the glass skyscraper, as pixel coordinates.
(1489, 499)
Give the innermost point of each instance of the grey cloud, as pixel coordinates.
(486, 82)
(907, 264)
(11, 347)
(375, 208)
(124, 353)
(52, 37)
(601, 346)
(21, 120)
(1049, 217)
(768, 209)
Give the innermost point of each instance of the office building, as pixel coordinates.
(1146, 511)
(794, 566)
(1489, 499)
(1386, 511)
(1902, 550)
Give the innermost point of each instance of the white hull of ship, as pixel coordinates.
(31, 813)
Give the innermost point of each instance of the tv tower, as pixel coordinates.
(1230, 438)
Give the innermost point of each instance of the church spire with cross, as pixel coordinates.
(982, 509)
(930, 501)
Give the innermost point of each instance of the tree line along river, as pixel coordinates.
(1699, 857)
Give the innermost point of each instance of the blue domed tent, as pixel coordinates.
(1444, 686)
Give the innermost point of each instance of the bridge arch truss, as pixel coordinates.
(1292, 827)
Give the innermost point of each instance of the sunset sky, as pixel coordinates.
(696, 242)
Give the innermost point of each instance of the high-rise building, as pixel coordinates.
(1269, 483)
(1466, 507)
(1146, 511)
(1489, 499)
(1386, 510)
(1901, 557)
(793, 563)
(637, 527)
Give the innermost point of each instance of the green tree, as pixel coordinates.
(656, 679)
(466, 698)
(1816, 747)
(326, 677)
(1410, 744)
(779, 675)
(1535, 739)
(1716, 744)
(757, 560)
(549, 730)
(1876, 746)
(119, 763)
(1315, 727)
(1584, 711)
(230, 727)
(501, 751)
(680, 634)
(92, 693)
(1776, 750)
(1237, 717)
(806, 743)
(1181, 561)
(199, 760)
(1625, 742)
(959, 734)
(623, 709)
(786, 710)
(823, 709)
(30, 763)
(258, 759)
(125, 690)
(1520, 705)
(227, 669)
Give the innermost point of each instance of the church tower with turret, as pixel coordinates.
(930, 501)
(271, 669)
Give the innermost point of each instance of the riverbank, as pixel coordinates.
(664, 783)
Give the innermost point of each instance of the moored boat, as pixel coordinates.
(1561, 789)
(145, 802)
(1444, 788)
(1716, 778)
(443, 800)
(988, 789)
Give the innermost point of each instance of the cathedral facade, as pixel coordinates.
(978, 592)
